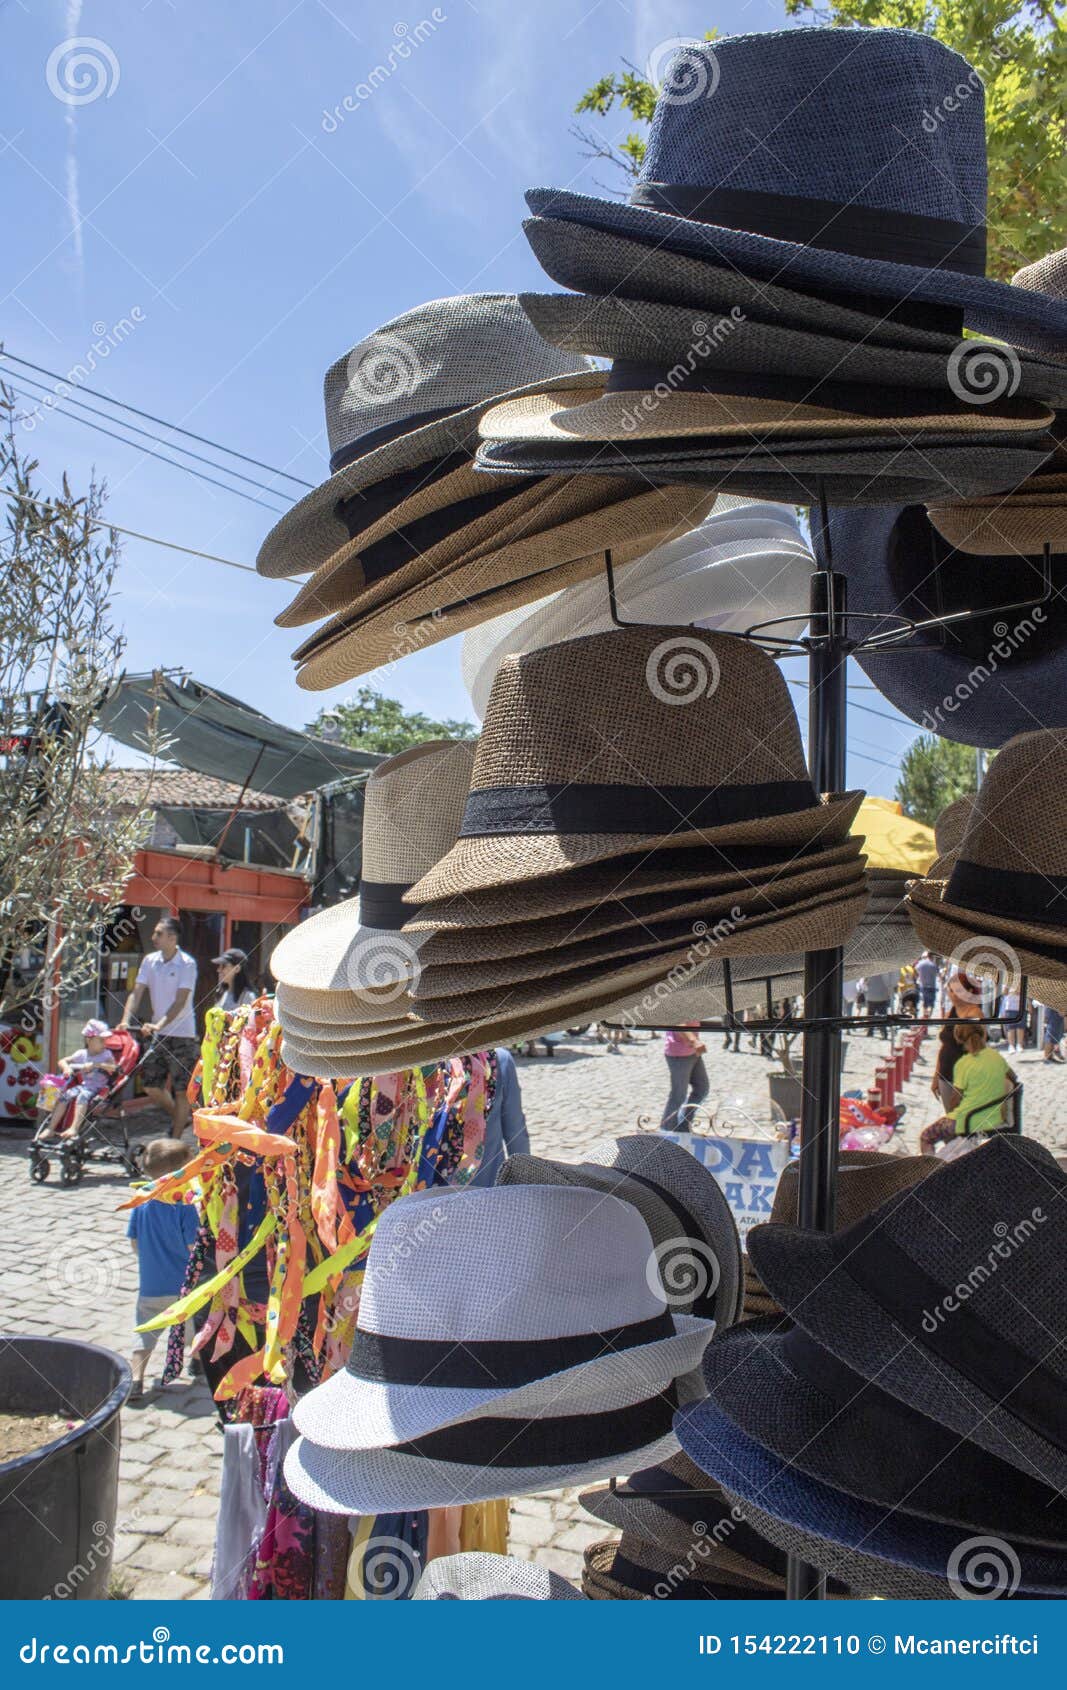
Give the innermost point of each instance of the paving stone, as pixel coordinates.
(578, 1537)
(156, 1557)
(198, 1533)
(154, 1525)
(167, 1587)
(125, 1546)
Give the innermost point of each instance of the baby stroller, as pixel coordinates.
(94, 1140)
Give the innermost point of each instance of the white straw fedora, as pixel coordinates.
(747, 562)
(477, 1576)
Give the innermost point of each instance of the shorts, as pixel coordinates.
(83, 1094)
(176, 1057)
(929, 996)
(147, 1307)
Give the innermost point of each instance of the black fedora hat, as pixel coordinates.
(884, 1298)
(979, 681)
(823, 160)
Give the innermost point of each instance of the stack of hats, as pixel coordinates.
(347, 970)
(508, 1341)
(682, 1540)
(984, 674)
(747, 564)
(1001, 908)
(905, 1438)
(477, 1576)
(697, 1249)
(669, 768)
(866, 1179)
(1034, 515)
(784, 297)
(404, 527)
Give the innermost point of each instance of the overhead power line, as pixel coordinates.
(175, 428)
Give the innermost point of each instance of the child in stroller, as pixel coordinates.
(74, 1122)
(90, 1070)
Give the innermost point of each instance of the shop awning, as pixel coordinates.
(218, 735)
(894, 840)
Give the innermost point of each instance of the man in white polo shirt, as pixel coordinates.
(168, 975)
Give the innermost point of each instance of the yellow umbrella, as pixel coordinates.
(892, 839)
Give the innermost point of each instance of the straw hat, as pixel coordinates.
(980, 679)
(513, 566)
(697, 1250)
(747, 562)
(477, 1576)
(803, 195)
(571, 772)
(523, 1345)
(633, 1570)
(408, 396)
(413, 806)
(951, 825)
(1004, 903)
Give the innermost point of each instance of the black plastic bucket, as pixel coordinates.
(58, 1503)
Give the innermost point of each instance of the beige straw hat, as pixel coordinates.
(512, 568)
(950, 826)
(1003, 906)
(632, 740)
(413, 806)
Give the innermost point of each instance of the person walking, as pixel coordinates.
(879, 999)
(168, 976)
(1053, 1036)
(732, 1025)
(1008, 1010)
(689, 1083)
(235, 988)
(926, 979)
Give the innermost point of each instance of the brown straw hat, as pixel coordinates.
(629, 878)
(637, 739)
(1003, 906)
(413, 806)
(632, 1570)
(950, 826)
(865, 1180)
(512, 568)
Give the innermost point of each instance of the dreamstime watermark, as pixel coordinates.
(383, 369)
(410, 1231)
(82, 69)
(982, 371)
(984, 958)
(109, 936)
(706, 939)
(411, 637)
(983, 1569)
(87, 1280)
(385, 967)
(682, 70)
(681, 1270)
(387, 1568)
(105, 339)
(1009, 1239)
(1006, 643)
(707, 339)
(681, 670)
(400, 50)
(957, 97)
(706, 1541)
(158, 1650)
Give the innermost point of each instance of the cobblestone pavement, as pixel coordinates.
(72, 1272)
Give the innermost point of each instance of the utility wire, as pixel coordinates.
(161, 421)
(171, 445)
(162, 456)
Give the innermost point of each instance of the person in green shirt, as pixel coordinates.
(981, 1080)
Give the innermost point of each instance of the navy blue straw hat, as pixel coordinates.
(886, 1552)
(981, 681)
(843, 160)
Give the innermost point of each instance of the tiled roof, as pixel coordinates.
(178, 789)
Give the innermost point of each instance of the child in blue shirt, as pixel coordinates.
(163, 1235)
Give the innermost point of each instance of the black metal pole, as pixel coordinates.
(823, 970)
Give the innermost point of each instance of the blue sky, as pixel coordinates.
(205, 217)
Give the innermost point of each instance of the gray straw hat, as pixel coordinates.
(477, 1576)
(407, 395)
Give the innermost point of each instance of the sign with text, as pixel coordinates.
(748, 1169)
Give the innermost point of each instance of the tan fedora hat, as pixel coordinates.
(581, 1000)
(571, 942)
(651, 410)
(950, 827)
(324, 1009)
(501, 574)
(865, 1180)
(413, 806)
(636, 739)
(584, 890)
(393, 552)
(1003, 906)
(613, 913)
